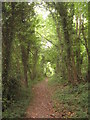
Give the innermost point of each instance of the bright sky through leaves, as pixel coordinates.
(40, 10)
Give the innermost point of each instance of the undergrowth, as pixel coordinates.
(70, 100)
(37, 80)
(18, 107)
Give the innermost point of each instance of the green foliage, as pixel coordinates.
(73, 98)
(57, 80)
(17, 108)
(45, 39)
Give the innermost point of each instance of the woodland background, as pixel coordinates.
(35, 46)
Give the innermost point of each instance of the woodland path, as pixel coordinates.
(42, 105)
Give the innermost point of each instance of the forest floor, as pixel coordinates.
(42, 104)
(58, 100)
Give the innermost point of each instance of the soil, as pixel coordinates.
(42, 104)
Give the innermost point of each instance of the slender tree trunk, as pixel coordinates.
(86, 46)
(74, 69)
(77, 25)
(57, 65)
(78, 56)
(34, 69)
(25, 56)
(25, 75)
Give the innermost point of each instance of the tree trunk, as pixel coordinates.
(74, 69)
(7, 43)
(34, 69)
(70, 59)
(86, 46)
(78, 56)
(25, 55)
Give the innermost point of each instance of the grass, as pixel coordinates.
(73, 100)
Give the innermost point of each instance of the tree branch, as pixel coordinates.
(47, 39)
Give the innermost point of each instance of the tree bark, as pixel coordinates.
(86, 46)
(70, 58)
(25, 56)
(7, 42)
(34, 69)
(78, 56)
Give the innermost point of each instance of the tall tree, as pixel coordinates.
(7, 37)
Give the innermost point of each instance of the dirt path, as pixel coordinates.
(42, 105)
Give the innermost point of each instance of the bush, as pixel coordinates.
(69, 98)
(57, 79)
(74, 99)
(18, 106)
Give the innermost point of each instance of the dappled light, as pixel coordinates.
(48, 70)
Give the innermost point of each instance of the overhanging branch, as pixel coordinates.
(47, 39)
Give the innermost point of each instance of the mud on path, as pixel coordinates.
(41, 105)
